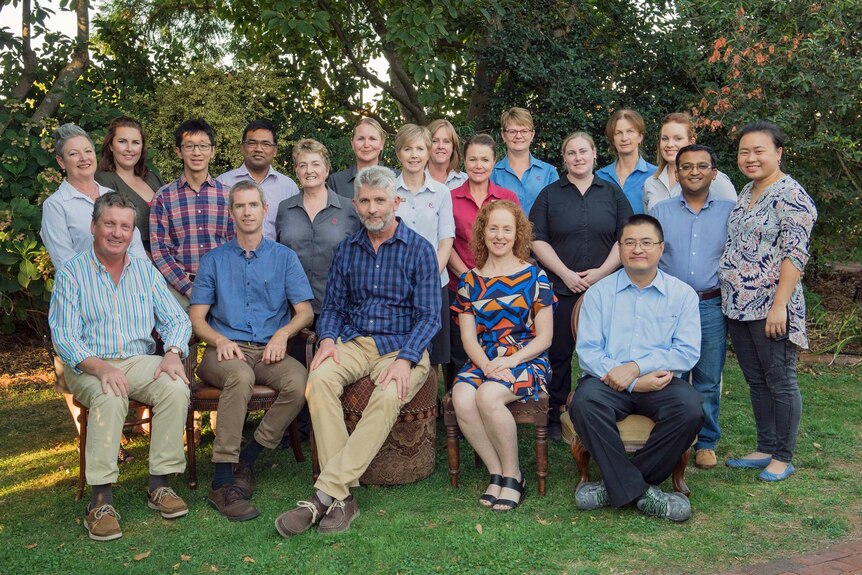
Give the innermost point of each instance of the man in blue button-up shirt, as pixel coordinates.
(638, 330)
(695, 226)
(241, 307)
(382, 307)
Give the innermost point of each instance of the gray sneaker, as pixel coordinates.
(591, 496)
(656, 503)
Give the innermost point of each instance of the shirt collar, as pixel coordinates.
(99, 266)
(664, 178)
(504, 163)
(261, 248)
(69, 192)
(244, 171)
(400, 234)
(684, 203)
(658, 282)
(183, 183)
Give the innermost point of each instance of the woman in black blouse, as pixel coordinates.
(576, 221)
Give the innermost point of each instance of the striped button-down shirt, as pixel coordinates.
(391, 295)
(184, 225)
(90, 316)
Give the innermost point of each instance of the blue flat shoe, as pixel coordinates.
(767, 476)
(749, 463)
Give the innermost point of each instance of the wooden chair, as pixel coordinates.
(206, 397)
(634, 431)
(527, 413)
(407, 455)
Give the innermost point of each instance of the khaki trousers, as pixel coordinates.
(170, 401)
(236, 378)
(344, 458)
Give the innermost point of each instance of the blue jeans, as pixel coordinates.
(706, 374)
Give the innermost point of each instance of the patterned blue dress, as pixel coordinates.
(504, 308)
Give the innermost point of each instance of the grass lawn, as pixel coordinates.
(429, 527)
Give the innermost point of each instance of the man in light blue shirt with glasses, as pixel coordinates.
(639, 329)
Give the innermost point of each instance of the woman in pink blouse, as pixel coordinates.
(761, 291)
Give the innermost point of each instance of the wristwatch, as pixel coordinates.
(174, 349)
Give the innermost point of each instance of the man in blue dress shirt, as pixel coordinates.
(638, 330)
(381, 309)
(695, 226)
(241, 307)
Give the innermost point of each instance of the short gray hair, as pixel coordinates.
(113, 200)
(242, 186)
(65, 133)
(377, 177)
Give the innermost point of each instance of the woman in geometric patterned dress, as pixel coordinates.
(504, 307)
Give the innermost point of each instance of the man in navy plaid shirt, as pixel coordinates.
(381, 309)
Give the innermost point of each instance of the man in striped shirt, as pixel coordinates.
(189, 216)
(381, 309)
(104, 307)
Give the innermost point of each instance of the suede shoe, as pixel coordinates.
(296, 521)
(339, 516)
(656, 503)
(705, 458)
(589, 496)
(103, 523)
(228, 501)
(167, 503)
(243, 478)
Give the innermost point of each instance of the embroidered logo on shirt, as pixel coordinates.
(334, 221)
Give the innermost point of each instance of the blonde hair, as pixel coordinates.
(674, 118)
(309, 146)
(411, 132)
(374, 124)
(623, 114)
(515, 115)
(456, 157)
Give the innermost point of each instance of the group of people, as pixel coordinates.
(478, 272)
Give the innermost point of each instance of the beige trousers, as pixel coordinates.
(344, 458)
(236, 378)
(170, 401)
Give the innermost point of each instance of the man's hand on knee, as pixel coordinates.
(399, 372)
(228, 349)
(653, 381)
(326, 350)
(114, 380)
(172, 366)
(276, 349)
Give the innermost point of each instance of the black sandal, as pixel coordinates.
(495, 480)
(514, 485)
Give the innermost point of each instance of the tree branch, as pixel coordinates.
(28, 73)
(71, 71)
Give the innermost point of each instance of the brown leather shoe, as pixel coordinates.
(228, 501)
(339, 516)
(167, 503)
(705, 458)
(295, 521)
(243, 478)
(103, 523)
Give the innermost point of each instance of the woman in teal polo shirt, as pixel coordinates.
(625, 132)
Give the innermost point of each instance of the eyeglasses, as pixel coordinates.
(704, 167)
(193, 147)
(523, 133)
(262, 144)
(647, 244)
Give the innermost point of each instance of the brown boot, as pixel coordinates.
(339, 516)
(228, 501)
(295, 521)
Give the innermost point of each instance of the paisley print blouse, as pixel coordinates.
(776, 228)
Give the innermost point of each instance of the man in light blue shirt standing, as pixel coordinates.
(695, 225)
(259, 146)
(519, 171)
(638, 330)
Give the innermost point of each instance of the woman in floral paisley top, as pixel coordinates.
(761, 291)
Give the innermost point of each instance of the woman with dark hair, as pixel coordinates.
(467, 199)
(676, 133)
(505, 308)
(625, 131)
(123, 167)
(576, 223)
(769, 232)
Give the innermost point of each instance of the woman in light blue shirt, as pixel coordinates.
(625, 132)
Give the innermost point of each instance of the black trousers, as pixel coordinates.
(560, 355)
(678, 414)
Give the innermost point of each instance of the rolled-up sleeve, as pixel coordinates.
(797, 214)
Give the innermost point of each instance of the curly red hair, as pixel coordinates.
(523, 231)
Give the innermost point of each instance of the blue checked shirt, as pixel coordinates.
(92, 317)
(392, 296)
